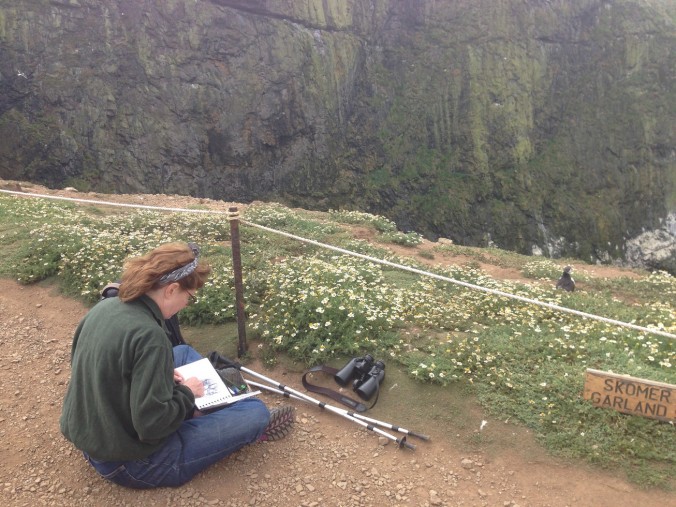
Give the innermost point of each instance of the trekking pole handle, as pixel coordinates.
(419, 435)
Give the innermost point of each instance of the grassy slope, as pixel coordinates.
(523, 364)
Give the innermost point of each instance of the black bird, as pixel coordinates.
(566, 281)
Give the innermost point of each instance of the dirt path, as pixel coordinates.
(326, 461)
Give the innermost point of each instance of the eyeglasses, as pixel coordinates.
(191, 298)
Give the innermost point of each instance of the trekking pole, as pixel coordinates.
(222, 361)
(297, 394)
(347, 412)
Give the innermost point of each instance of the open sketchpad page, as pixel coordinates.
(215, 391)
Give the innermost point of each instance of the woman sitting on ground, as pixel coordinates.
(133, 417)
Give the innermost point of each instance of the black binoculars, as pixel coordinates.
(367, 374)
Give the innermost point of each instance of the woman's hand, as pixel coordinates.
(195, 385)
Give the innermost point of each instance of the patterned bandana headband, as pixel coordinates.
(183, 271)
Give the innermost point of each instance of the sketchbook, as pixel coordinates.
(216, 393)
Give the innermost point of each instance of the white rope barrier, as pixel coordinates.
(551, 306)
(108, 203)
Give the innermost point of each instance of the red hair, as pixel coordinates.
(142, 274)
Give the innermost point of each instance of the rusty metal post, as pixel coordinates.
(233, 216)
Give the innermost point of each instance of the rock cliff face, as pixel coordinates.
(531, 124)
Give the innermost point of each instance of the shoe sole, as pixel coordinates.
(281, 421)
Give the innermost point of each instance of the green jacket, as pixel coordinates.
(122, 402)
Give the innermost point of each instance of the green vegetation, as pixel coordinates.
(387, 228)
(524, 362)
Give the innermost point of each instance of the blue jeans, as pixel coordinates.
(197, 444)
(185, 354)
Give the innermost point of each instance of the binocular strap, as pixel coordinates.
(219, 362)
(345, 400)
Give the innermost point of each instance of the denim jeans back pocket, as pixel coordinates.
(118, 472)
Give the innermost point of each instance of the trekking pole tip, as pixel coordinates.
(403, 443)
(419, 435)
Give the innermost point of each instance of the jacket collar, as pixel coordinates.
(154, 310)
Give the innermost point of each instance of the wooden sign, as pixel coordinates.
(630, 395)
